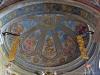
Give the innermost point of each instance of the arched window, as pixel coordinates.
(99, 64)
(1, 1)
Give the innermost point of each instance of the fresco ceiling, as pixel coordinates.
(44, 36)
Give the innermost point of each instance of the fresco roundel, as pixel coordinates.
(47, 40)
